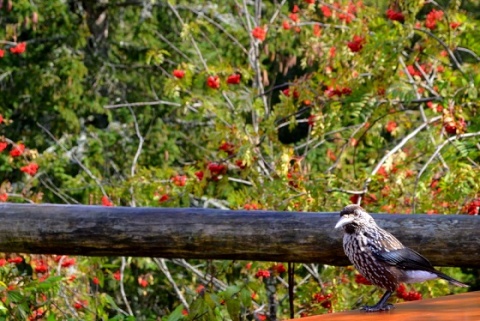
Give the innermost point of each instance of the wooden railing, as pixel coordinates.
(446, 240)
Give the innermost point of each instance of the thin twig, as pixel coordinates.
(446, 47)
(202, 15)
(137, 154)
(422, 112)
(429, 161)
(122, 287)
(141, 104)
(344, 147)
(346, 191)
(21, 197)
(254, 58)
(323, 25)
(313, 270)
(203, 276)
(61, 291)
(397, 148)
(54, 191)
(164, 268)
(172, 46)
(207, 201)
(89, 173)
(275, 14)
(470, 52)
(192, 40)
(238, 180)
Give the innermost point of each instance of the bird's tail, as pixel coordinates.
(451, 280)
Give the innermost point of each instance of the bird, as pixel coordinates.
(381, 258)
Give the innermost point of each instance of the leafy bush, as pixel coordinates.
(298, 106)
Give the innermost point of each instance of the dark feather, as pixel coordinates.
(406, 259)
(451, 280)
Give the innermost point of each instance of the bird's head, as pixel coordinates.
(353, 217)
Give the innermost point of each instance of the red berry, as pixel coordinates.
(163, 198)
(294, 17)
(228, 148)
(395, 15)
(240, 164)
(391, 126)
(179, 180)
(234, 79)
(346, 91)
(19, 48)
(213, 82)
(106, 201)
(259, 33)
(199, 175)
(451, 128)
(216, 168)
(262, 273)
(327, 304)
(17, 150)
(177, 73)
(319, 297)
(356, 44)
(327, 12)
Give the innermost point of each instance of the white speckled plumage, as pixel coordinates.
(380, 257)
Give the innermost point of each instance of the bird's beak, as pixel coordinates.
(344, 220)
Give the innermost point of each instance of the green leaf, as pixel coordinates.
(198, 309)
(246, 297)
(14, 296)
(51, 317)
(233, 308)
(231, 291)
(176, 314)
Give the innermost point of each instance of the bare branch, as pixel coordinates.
(437, 151)
(164, 268)
(275, 14)
(21, 197)
(89, 173)
(446, 47)
(122, 287)
(346, 191)
(205, 277)
(313, 270)
(141, 104)
(422, 112)
(216, 24)
(137, 154)
(194, 43)
(397, 148)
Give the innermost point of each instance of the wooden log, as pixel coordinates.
(446, 240)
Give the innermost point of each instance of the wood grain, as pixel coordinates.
(465, 307)
(446, 240)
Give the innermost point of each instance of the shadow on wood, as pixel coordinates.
(465, 307)
(446, 240)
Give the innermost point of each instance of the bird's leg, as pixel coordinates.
(382, 305)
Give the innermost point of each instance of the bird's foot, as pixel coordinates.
(377, 308)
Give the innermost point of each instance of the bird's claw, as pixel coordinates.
(376, 308)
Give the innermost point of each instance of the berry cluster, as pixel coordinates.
(408, 296)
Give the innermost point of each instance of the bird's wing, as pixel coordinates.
(408, 259)
(405, 258)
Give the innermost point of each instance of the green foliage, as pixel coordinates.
(105, 120)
